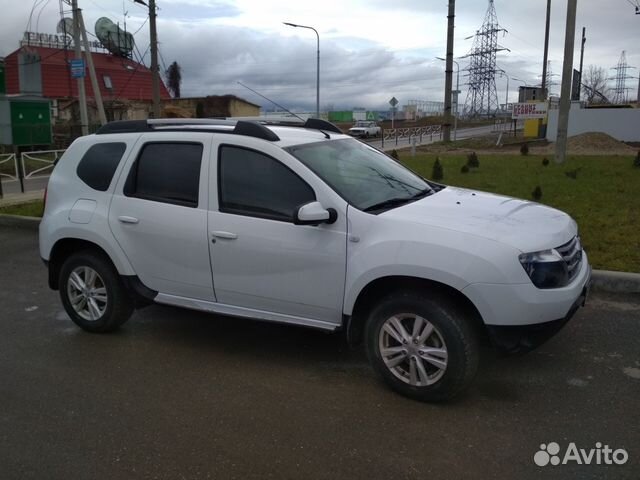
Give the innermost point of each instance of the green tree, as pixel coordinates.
(438, 172)
(174, 78)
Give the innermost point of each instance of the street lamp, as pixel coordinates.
(457, 92)
(506, 102)
(318, 64)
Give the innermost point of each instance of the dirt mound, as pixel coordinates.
(594, 143)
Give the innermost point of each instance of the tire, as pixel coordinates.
(441, 364)
(90, 282)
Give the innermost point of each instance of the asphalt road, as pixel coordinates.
(30, 185)
(178, 394)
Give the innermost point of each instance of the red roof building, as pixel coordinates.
(45, 71)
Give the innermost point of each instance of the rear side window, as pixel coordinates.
(99, 163)
(256, 185)
(167, 173)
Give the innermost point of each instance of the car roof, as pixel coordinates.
(283, 134)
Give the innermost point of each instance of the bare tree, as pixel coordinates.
(595, 86)
(174, 78)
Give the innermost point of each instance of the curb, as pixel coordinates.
(601, 280)
(19, 221)
(615, 282)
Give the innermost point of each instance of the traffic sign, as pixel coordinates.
(77, 68)
(393, 102)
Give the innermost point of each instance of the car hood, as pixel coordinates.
(353, 129)
(527, 226)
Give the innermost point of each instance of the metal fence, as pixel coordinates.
(8, 166)
(39, 163)
(399, 135)
(29, 170)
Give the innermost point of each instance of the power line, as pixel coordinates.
(141, 26)
(40, 13)
(36, 4)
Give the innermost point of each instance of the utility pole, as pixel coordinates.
(545, 61)
(567, 72)
(155, 74)
(318, 77)
(448, 84)
(82, 94)
(92, 71)
(584, 40)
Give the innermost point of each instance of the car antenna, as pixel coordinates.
(269, 100)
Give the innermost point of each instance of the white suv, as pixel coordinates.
(306, 226)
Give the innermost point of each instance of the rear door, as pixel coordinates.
(158, 213)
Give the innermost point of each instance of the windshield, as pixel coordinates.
(365, 177)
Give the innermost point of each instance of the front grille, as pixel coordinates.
(571, 253)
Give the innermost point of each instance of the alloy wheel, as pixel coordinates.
(87, 293)
(413, 349)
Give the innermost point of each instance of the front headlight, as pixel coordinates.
(547, 269)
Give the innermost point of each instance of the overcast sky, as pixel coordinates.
(371, 50)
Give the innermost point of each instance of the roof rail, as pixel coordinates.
(250, 129)
(319, 124)
(255, 129)
(310, 123)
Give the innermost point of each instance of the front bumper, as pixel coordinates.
(525, 304)
(521, 317)
(524, 338)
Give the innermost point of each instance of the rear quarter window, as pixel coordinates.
(99, 164)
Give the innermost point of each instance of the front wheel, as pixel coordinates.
(423, 347)
(92, 293)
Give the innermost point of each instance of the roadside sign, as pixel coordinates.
(527, 111)
(393, 102)
(77, 68)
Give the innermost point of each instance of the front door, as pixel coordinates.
(260, 259)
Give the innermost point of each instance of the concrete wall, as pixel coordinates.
(239, 108)
(621, 123)
(212, 106)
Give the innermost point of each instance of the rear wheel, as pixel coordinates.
(423, 347)
(92, 293)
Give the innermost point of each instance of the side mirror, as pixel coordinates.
(314, 214)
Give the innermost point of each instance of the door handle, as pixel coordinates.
(125, 219)
(225, 235)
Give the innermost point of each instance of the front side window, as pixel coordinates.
(251, 183)
(363, 176)
(167, 172)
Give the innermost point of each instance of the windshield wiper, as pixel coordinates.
(423, 193)
(397, 202)
(391, 203)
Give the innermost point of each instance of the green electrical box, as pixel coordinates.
(31, 122)
(3, 88)
(25, 121)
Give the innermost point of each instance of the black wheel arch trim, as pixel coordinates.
(353, 325)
